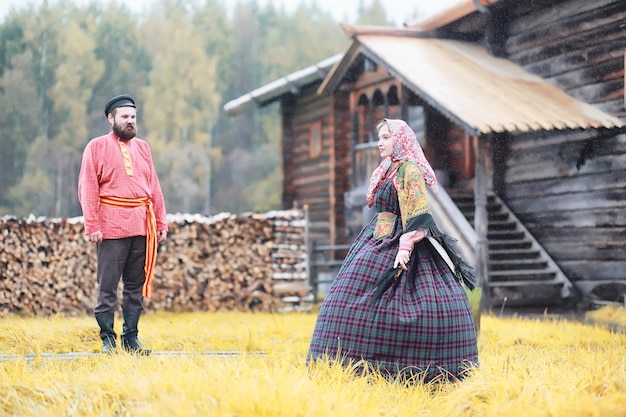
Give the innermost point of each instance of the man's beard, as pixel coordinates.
(124, 132)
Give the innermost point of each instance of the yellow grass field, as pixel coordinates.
(529, 367)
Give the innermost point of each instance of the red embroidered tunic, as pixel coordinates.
(104, 173)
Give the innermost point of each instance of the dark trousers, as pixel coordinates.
(120, 258)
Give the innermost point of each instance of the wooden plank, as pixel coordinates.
(608, 70)
(572, 251)
(542, 170)
(71, 356)
(311, 184)
(572, 185)
(563, 145)
(607, 236)
(598, 92)
(601, 218)
(480, 221)
(614, 107)
(530, 22)
(595, 270)
(584, 41)
(530, 140)
(569, 20)
(579, 58)
(579, 201)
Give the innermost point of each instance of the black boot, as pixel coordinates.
(107, 334)
(130, 342)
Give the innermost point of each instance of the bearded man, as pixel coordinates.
(124, 215)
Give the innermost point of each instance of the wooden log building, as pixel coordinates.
(520, 108)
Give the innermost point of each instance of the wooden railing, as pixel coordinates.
(323, 260)
(450, 220)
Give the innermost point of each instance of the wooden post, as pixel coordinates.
(404, 104)
(481, 222)
(310, 247)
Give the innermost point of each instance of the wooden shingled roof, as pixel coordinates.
(480, 92)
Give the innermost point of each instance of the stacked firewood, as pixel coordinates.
(254, 262)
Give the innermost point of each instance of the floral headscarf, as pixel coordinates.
(405, 148)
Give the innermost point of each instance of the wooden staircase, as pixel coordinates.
(521, 273)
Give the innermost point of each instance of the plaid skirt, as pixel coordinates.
(422, 325)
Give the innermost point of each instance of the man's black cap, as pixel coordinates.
(123, 100)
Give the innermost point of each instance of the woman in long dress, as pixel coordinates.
(398, 305)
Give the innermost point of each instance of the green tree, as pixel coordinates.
(71, 92)
(126, 61)
(374, 14)
(59, 46)
(18, 101)
(18, 125)
(11, 42)
(35, 192)
(211, 19)
(39, 42)
(181, 103)
(268, 45)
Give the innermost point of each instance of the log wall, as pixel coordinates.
(254, 262)
(569, 189)
(310, 178)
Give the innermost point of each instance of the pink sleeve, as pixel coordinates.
(89, 191)
(407, 240)
(159, 203)
(157, 197)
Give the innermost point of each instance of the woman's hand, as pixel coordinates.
(402, 259)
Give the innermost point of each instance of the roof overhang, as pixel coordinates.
(450, 11)
(478, 91)
(289, 84)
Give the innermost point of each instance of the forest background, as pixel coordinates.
(182, 60)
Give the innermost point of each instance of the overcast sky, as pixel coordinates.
(343, 10)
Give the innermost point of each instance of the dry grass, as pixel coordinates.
(529, 368)
(612, 315)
